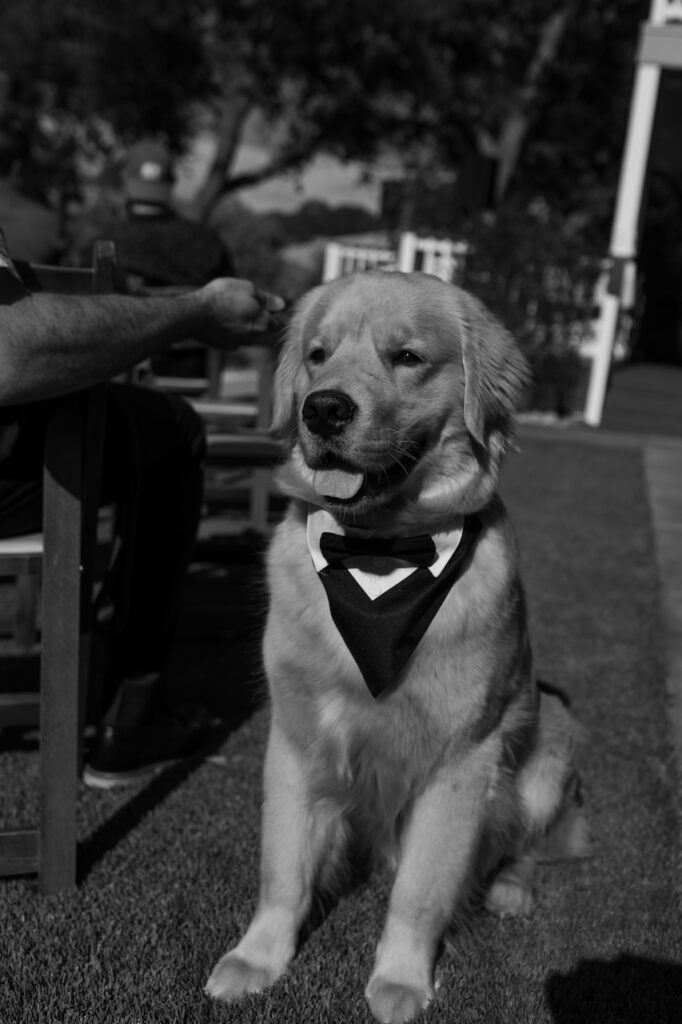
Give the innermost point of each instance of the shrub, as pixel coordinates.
(539, 281)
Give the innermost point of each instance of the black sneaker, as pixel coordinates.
(125, 754)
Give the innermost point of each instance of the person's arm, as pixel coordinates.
(54, 344)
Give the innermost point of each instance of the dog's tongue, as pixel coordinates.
(338, 484)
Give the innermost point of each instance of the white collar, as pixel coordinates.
(381, 573)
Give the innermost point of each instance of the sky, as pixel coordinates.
(325, 179)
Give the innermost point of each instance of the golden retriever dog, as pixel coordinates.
(404, 710)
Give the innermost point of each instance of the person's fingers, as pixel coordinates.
(246, 307)
(271, 303)
(269, 306)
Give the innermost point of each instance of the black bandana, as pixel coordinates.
(382, 634)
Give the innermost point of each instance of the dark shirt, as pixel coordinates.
(31, 229)
(167, 250)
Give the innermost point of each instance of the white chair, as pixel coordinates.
(442, 257)
(586, 336)
(341, 259)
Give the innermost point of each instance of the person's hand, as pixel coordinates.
(235, 308)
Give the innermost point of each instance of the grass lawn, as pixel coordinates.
(169, 871)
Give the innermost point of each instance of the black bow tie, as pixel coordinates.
(419, 550)
(383, 633)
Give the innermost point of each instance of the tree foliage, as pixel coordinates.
(543, 89)
(79, 79)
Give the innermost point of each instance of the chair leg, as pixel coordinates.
(60, 717)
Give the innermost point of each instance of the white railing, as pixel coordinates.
(442, 257)
(664, 11)
(341, 259)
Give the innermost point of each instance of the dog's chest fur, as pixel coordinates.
(375, 753)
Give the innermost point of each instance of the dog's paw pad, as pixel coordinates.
(509, 897)
(233, 977)
(393, 1003)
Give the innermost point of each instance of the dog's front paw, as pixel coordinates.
(511, 892)
(234, 976)
(392, 1002)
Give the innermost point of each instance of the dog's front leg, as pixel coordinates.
(295, 837)
(438, 847)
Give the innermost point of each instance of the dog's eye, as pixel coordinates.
(406, 358)
(316, 356)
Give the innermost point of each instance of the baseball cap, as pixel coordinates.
(148, 174)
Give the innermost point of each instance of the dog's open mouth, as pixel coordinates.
(340, 486)
(345, 484)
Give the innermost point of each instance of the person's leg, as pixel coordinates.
(21, 471)
(152, 472)
(153, 456)
(154, 450)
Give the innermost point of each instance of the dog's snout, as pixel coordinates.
(328, 412)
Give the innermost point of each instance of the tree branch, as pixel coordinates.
(285, 160)
(234, 111)
(515, 127)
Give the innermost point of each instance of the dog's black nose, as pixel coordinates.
(327, 412)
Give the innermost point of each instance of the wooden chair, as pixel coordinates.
(241, 446)
(241, 455)
(64, 556)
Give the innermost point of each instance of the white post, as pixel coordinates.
(332, 261)
(407, 252)
(624, 234)
(663, 11)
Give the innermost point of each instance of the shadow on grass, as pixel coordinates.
(628, 990)
(129, 816)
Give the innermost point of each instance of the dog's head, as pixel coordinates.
(396, 393)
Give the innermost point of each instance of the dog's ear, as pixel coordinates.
(496, 375)
(289, 363)
(283, 408)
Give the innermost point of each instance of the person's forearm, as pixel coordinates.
(50, 345)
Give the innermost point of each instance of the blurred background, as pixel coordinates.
(293, 123)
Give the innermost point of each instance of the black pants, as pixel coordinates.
(152, 472)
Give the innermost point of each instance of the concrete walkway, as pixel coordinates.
(663, 466)
(644, 403)
(662, 460)
(646, 399)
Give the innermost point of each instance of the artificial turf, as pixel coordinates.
(169, 870)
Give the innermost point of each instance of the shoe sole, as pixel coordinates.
(110, 780)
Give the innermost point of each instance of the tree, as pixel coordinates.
(79, 78)
(436, 82)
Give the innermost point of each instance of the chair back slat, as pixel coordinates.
(99, 279)
(104, 273)
(61, 280)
